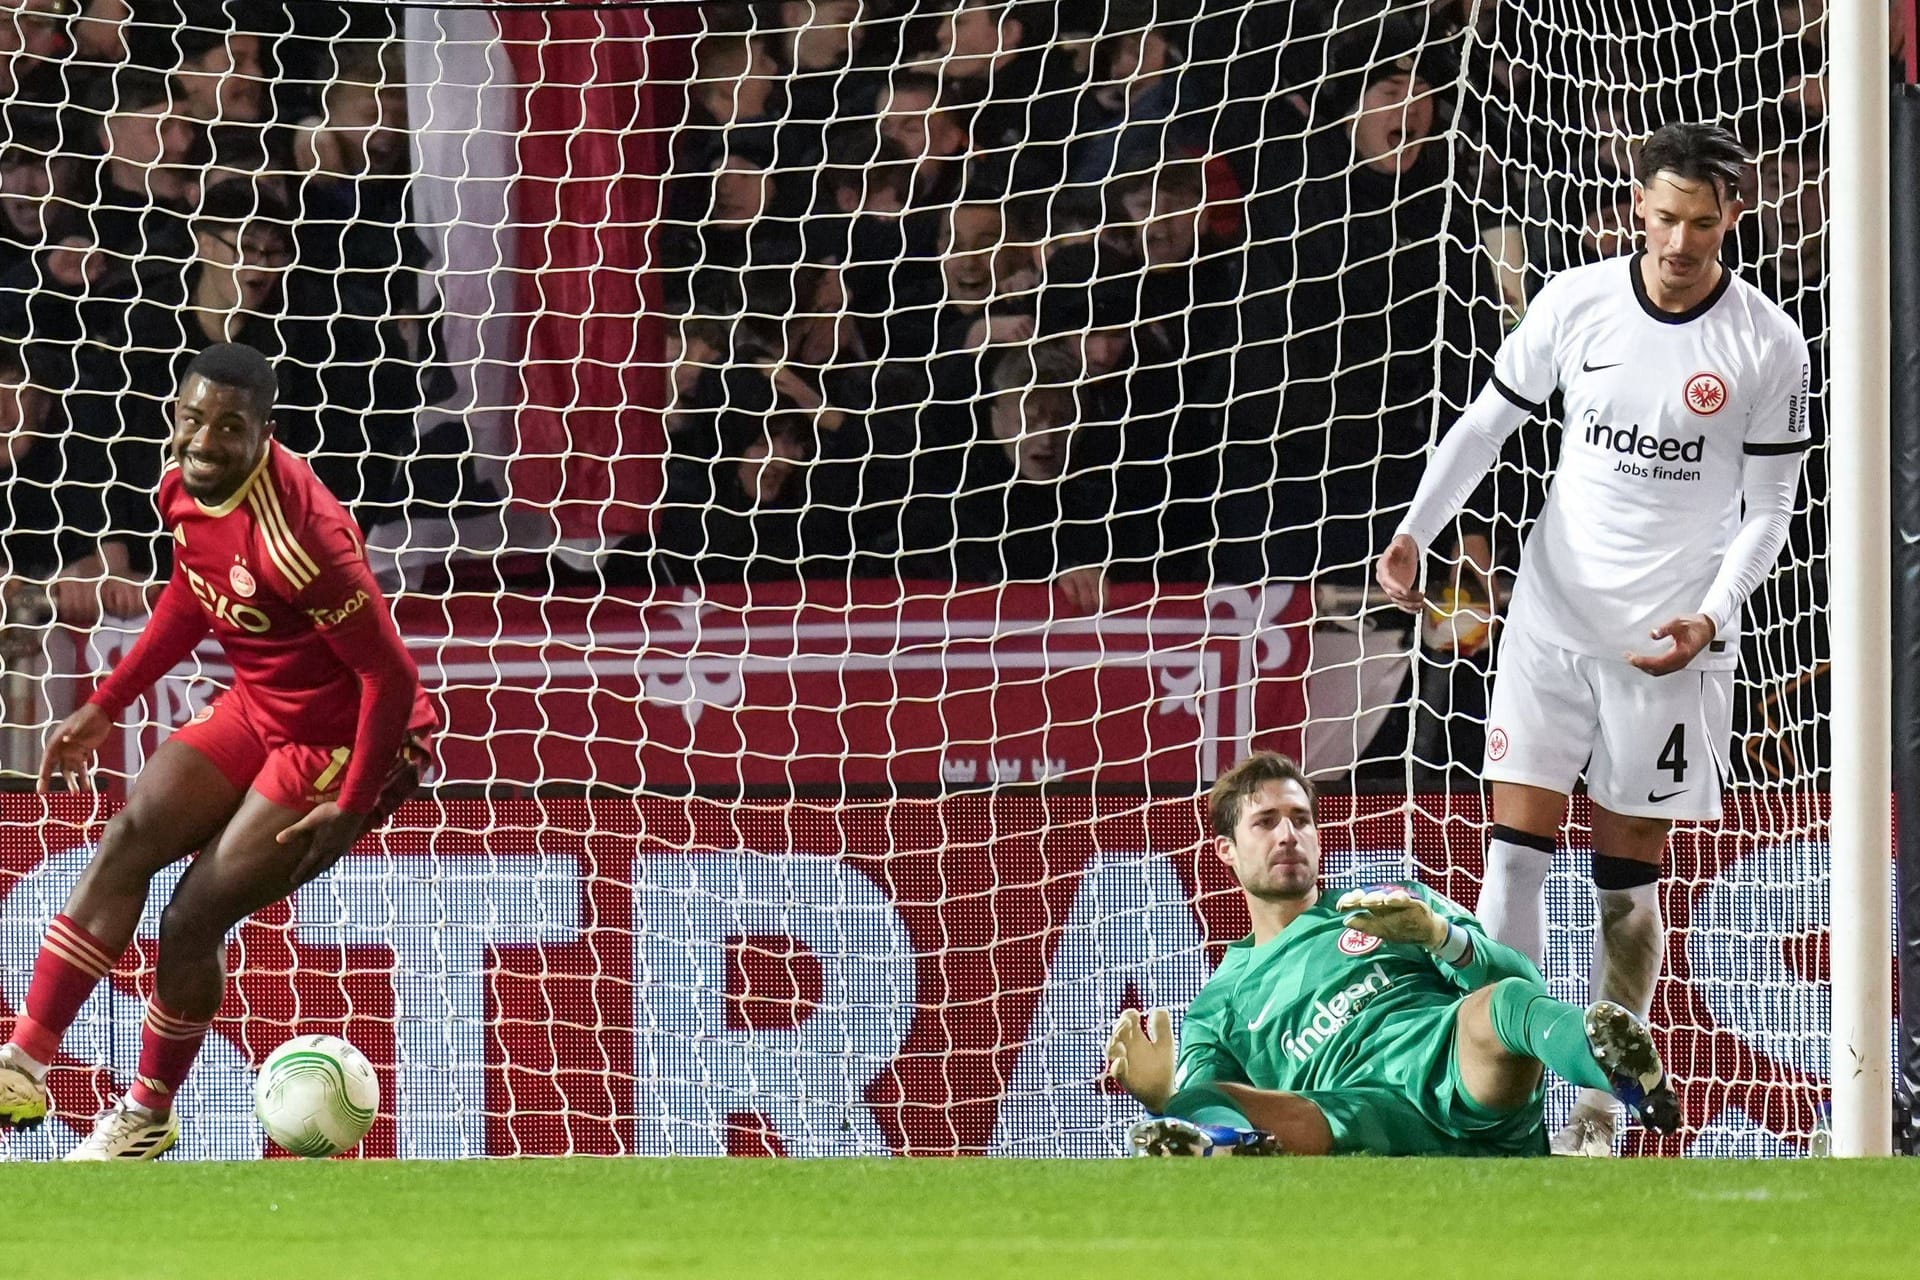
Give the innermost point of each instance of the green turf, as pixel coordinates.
(1428, 1220)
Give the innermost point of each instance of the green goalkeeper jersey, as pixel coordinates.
(1325, 1007)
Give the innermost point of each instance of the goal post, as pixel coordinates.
(1860, 621)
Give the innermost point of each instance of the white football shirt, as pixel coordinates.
(1660, 410)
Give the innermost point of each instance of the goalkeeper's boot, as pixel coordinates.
(24, 1100)
(1624, 1048)
(1589, 1132)
(128, 1132)
(1172, 1136)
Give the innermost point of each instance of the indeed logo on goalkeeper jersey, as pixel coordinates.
(1331, 1015)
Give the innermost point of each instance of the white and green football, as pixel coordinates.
(316, 1096)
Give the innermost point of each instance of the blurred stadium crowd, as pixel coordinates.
(1176, 291)
(1173, 292)
(171, 182)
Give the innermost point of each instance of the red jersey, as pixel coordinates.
(279, 575)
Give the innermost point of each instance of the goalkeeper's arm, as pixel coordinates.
(1458, 944)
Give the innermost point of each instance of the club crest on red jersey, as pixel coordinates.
(1355, 943)
(243, 583)
(1706, 394)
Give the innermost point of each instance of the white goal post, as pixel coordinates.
(1859, 621)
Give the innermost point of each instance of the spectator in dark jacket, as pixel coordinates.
(929, 131)
(1025, 508)
(1016, 91)
(144, 188)
(765, 509)
(1375, 250)
(49, 500)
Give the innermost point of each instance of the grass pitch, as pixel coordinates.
(1431, 1219)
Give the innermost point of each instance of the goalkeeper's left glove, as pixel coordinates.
(1395, 915)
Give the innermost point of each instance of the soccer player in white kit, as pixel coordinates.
(1686, 427)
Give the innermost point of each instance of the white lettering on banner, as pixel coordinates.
(216, 1102)
(440, 915)
(1132, 925)
(1182, 686)
(809, 1082)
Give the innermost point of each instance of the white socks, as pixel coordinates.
(1513, 903)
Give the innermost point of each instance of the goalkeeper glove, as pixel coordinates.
(1395, 915)
(1141, 1057)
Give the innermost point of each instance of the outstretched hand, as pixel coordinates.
(328, 832)
(1398, 573)
(1689, 634)
(1392, 915)
(71, 749)
(1141, 1057)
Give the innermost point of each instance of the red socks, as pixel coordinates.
(70, 965)
(168, 1046)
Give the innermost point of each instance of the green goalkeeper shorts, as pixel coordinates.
(1412, 1102)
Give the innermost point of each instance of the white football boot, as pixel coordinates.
(128, 1132)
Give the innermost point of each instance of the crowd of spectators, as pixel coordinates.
(1149, 290)
(1173, 292)
(168, 181)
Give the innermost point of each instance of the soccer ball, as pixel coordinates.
(316, 1095)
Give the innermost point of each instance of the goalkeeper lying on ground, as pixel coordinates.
(1378, 1020)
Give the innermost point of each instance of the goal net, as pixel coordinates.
(852, 472)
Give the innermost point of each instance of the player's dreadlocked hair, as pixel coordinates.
(1697, 153)
(1247, 777)
(234, 364)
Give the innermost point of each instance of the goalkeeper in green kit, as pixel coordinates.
(1380, 1019)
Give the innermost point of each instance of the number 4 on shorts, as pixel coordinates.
(1673, 756)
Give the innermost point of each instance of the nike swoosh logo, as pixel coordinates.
(1255, 1024)
(1595, 368)
(1655, 798)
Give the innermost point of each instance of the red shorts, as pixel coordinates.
(291, 775)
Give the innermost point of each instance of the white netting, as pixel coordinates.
(761, 401)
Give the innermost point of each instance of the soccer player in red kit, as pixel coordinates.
(320, 739)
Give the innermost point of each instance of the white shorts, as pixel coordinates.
(1652, 746)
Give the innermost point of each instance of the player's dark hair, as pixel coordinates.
(234, 364)
(1696, 152)
(1247, 777)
